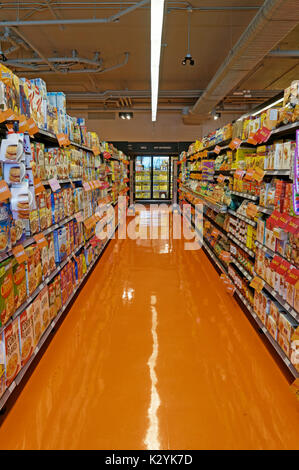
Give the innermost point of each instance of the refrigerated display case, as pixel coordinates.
(153, 176)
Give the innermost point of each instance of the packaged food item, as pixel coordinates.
(7, 304)
(12, 351)
(284, 344)
(42, 211)
(26, 335)
(44, 255)
(287, 325)
(60, 243)
(2, 364)
(51, 252)
(52, 300)
(63, 284)
(37, 319)
(272, 326)
(5, 235)
(38, 265)
(58, 298)
(44, 304)
(19, 279)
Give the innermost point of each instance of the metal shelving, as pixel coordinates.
(241, 245)
(242, 217)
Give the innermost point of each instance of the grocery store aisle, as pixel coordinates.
(154, 353)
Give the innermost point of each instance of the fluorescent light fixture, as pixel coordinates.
(157, 13)
(267, 107)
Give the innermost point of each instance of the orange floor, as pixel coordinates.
(154, 354)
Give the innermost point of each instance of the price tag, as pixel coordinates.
(38, 186)
(251, 139)
(231, 289)
(4, 191)
(249, 174)
(215, 233)
(239, 174)
(23, 125)
(235, 143)
(95, 150)
(7, 115)
(19, 254)
(55, 186)
(63, 140)
(40, 240)
(258, 174)
(251, 210)
(257, 283)
(225, 256)
(217, 149)
(32, 127)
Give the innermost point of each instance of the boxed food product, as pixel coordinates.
(276, 310)
(12, 351)
(51, 252)
(5, 235)
(7, 304)
(26, 335)
(287, 325)
(63, 285)
(2, 364)
(272, 327)
(30, 271)
(58, 298)
(19, 279)
(44, 255)
(38, 265)
(291, 279)
(42, 211)
(37, 319)
(60, 244)
(44, 306)
(284, 344)
(52, 300)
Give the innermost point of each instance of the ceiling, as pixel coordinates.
(123, 46)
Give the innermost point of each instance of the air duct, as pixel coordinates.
(274, 20)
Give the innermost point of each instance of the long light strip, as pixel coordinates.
(157, 13)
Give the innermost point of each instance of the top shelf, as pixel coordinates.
(278, 132)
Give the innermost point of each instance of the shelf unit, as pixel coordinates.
(249, 308)
(242, 217)
(49, 329)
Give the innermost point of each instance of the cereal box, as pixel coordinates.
(287, 325)
(30, 270)
(42, 211)
(52, 300)
(26, 335)
(12, 351)
(272, 326)
(37, 319)
(63, 284)
(58, 299)
(2, 364)
(4, 227)
(19, 279)
(45, 312)
(38, 265)
(284, 344)
(7, 303)
(51, 252)
(44, 254)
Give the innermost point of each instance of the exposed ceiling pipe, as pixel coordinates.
(21, 35)
(53, 12)
(79, 71)
(274, 20)
(283, 53)
(73, 95)
(37, 60)
(10, 50)
(80, 21)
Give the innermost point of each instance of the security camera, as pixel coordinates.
(188, 58)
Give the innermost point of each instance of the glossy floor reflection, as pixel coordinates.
(154, 354)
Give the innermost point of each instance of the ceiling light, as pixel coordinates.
(157, 13)
(267, 107)
(125, 115)
(215, 115)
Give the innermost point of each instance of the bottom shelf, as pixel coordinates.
(249, 308)
(50, 328)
